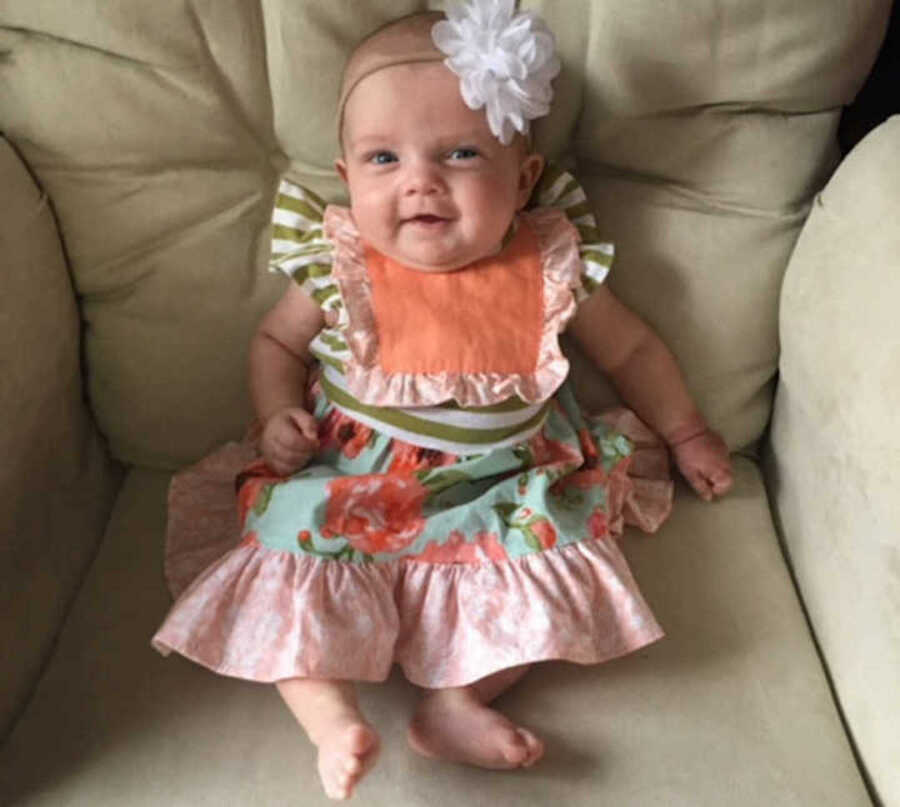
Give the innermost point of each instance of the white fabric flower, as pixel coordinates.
(505, 61)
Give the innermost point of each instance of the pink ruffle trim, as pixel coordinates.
(369, 383)
(265, 615)
(647, 497)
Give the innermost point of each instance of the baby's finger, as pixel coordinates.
(287, 462)
(307, 424)
(291, 438)
(721, 482)
(295, 453)
(279, 466)
(701, 485)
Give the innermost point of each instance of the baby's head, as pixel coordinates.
(430, 184)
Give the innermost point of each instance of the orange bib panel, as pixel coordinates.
(485, 318)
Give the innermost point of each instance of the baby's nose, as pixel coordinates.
(423, 177)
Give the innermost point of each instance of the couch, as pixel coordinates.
(142, 145)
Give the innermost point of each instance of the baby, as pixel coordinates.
(429, 493)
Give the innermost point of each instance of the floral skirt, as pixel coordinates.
(382, 552)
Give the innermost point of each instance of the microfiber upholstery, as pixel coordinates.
(836, 439)
(58, 486)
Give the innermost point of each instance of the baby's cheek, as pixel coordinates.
(370, 221)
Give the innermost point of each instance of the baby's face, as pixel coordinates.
(430, 186)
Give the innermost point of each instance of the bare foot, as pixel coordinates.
(454, 725)
(347, 750)
(329, 713)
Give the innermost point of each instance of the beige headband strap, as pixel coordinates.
(404, 41)
(373, 66)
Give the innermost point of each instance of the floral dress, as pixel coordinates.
(460, 515)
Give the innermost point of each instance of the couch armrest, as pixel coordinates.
(835, 449)
(56, 484)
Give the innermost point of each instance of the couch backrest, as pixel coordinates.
(159, 130)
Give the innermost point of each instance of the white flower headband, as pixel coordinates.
(505, 61)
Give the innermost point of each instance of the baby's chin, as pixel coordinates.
(432, 266)
(433, 259)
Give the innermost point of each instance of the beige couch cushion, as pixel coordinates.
(732, 708)
(57, 485)
(700, 133)
(836, 440)
(149, 126)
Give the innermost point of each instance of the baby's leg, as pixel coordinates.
(457, 724)
(329, 713)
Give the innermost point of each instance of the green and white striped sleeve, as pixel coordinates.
(299, 247)
(558, 188)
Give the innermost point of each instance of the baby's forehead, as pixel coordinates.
(411, 95)
(427, 79)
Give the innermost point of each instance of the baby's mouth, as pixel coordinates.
(426, 218)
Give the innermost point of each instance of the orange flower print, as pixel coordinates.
(598, 524)
(254, 481)
(250, 539)
(588, 448)
(552, 452)
(349, 435)
(544, 531)
(407, 458)
(376, 513)
(484, 547)
(580, 480)
(537, 529)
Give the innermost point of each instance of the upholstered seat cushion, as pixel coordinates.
(731, 708)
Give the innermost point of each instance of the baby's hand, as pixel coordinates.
(289, 439)
(703, 460)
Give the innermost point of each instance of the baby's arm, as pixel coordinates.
(279, 358)
(646, 375)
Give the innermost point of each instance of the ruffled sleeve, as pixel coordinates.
(559, 189)
(299, 246)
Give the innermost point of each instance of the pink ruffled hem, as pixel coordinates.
(368, 382)
(264, 615)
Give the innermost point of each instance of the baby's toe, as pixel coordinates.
(519, 747)
(534, 746)
(702, 486)
(337, 789)
(721, 482)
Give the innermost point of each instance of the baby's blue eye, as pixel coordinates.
(383, 157)
(463, 154)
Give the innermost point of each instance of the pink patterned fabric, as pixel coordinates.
(558, 244)
(446, 625)
(647, 501)
(202, 523)
(451, 615)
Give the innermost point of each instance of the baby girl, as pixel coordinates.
(429, 493)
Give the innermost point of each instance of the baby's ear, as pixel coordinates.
(341, 167)
(529, 173)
